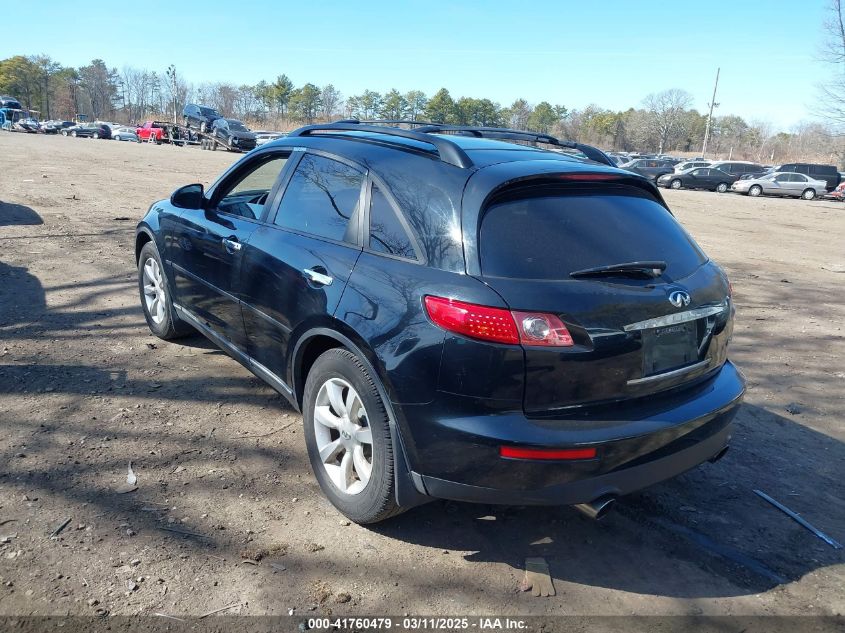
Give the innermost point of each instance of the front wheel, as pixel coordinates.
(809, 194)
(722, 187)
(156, 299)
(203, 127)
(755, 191)
(96, 135)
(348, 438)
(73, 134)
(675, 184)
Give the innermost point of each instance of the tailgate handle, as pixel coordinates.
(318, 277)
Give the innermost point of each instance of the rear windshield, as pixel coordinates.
(551, 234)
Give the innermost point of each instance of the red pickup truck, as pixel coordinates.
(151, 131)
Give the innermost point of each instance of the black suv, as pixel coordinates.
(234, 134)
(828, 173)
(199, 117)
(455, 315)
(651, 168)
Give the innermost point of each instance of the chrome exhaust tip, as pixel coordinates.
(718, 455)
(596, 509)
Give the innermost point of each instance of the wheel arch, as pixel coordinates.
(142, 237)
(314, 342)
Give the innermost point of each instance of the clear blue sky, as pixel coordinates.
(612, 53)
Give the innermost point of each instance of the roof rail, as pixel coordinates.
(448, 151)
(593, 153)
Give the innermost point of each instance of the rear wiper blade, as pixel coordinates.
(643, 268)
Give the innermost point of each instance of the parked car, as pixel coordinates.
(828, 173)
(54, 127)
(782, 184)
(408, 291)
(151, 131)
(10, 102)
(698, 178)
(265, 137)
(838, 193)
(691, 164)
(89, 130)
(200, 117)
(738, 168)
(651, 168)
(125, 134)
(234, 134)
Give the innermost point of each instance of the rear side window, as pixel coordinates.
(387, 235)
(553, 233)
(823, 170)
(321, 198)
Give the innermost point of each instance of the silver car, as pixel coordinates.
(783, 183)
(124, 134)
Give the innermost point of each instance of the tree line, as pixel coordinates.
(664, 122)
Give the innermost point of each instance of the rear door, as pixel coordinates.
(634, 334)
(297, 265)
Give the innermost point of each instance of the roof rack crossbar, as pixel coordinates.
(448, 151)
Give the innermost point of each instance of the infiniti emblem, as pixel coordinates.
(679, 299)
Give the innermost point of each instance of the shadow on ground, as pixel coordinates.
(18, 215)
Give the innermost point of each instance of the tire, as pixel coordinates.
(367, 501)
(676, 184)
(64, 133)
(161, 318)
(722, 187)
(96, 135)
(73, 134)
(808, 194)
(203, 127)
(755, 190)
(213, 146)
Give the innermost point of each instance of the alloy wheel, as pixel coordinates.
(344, 438)
(154, 295)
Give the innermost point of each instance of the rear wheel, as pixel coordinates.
(156, 299)
(203, 127)
(96, 135)
(64, 133)
(809, 194)
(722, 187)
(755, 190)
(348, 437)
(676, 184)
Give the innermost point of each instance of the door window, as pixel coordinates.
(782, 178)
(246, 196)
(322, 199)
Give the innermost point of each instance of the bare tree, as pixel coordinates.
(832, 102)
(666, 111)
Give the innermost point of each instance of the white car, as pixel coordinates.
(783, 183)
(265, 137)
(691, 164)
(124, 134)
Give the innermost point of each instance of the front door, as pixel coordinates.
(207, 246)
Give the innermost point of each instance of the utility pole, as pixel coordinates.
(713, 104)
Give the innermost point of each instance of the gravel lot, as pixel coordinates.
(84, 389)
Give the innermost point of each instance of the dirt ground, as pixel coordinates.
(227, 511)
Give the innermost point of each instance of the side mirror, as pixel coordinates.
(188, 197)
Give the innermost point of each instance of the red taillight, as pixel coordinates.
(474, 321)
(498, 324)
(547, 453)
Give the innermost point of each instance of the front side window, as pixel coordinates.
(248, 194)
(321, 199)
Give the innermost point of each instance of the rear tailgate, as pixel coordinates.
(630, 339)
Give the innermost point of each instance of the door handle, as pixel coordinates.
(317, 277)
(231, 244)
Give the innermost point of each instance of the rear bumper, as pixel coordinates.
(457, 457)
